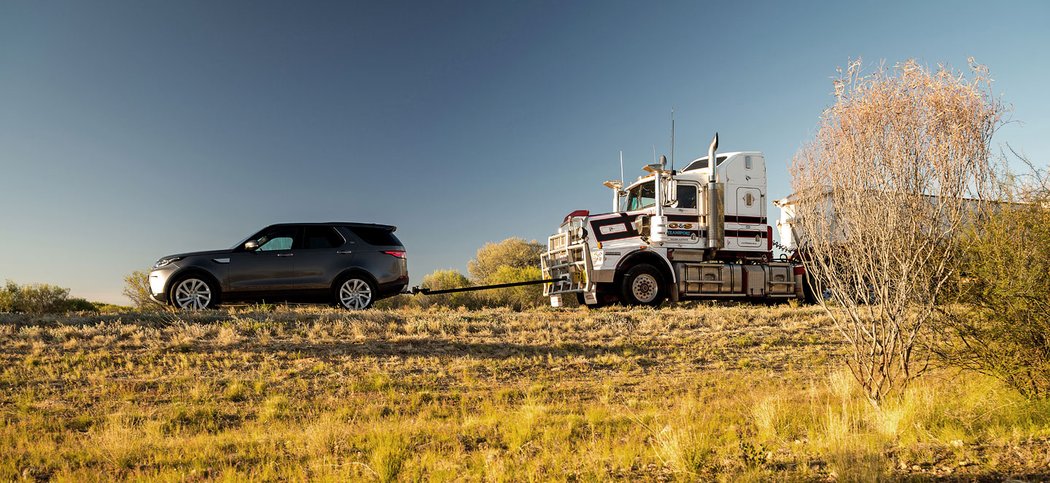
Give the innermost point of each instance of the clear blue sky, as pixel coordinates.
(131, 130)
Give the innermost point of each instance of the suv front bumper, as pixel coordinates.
(158, 279)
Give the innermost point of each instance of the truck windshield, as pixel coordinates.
(639, 197)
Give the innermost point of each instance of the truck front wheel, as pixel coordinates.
(643, 284)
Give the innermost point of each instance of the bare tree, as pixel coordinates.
(889, 178)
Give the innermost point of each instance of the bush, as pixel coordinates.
(444, 280)
(512, 252)
(136, 288)
(40, 299)
(518, 298)
(509, 261)
(81, 305)
(1002, 326)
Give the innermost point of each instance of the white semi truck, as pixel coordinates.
(698, 233)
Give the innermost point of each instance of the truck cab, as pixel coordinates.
(701, 232)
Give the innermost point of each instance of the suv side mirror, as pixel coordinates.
(251, 245)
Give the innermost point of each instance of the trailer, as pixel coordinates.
(698, 233)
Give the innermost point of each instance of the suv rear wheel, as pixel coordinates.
(355, 293)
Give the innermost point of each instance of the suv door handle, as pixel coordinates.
(285, 254)
(344, 252)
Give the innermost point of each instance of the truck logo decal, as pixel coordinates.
(610, 229)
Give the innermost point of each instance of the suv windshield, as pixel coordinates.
(641, 196)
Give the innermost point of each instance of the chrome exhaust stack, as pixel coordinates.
(715, 201)
(658, 223)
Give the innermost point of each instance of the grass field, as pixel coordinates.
(692, 393)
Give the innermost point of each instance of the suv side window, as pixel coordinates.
(379, 237)
(321, 237)
(280, 238)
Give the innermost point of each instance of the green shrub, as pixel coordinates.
(1002, 326)
(39, 299)
(509, 261)
(444, 280)
(512, 252)
(81, 305)
(518, 298)
(136, 288)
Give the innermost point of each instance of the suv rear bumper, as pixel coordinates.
(393, 288)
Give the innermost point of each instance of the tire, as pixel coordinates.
(809, 292)
(643, 284)
(355, 293)
(194, 292)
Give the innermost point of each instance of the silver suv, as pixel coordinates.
(349, 264)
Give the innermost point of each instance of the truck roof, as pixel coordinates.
(701, 163)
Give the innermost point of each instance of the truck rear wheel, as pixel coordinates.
(643, 284)
(810, 289)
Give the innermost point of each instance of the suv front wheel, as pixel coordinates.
(355, 293)
(194, 293)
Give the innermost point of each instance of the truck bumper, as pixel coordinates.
(570, 263)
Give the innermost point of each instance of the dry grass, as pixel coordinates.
(691, 393)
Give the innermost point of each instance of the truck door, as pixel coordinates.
(750, 208)
(749, 202)
(683, 219)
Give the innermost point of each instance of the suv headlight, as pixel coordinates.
(163, 262)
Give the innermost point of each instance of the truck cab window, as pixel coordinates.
(686, 196)
(639, 197)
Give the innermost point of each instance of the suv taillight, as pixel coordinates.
(395, 253)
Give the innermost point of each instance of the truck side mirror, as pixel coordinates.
(251, 245)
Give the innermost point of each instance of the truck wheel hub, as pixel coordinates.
(644, 288)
